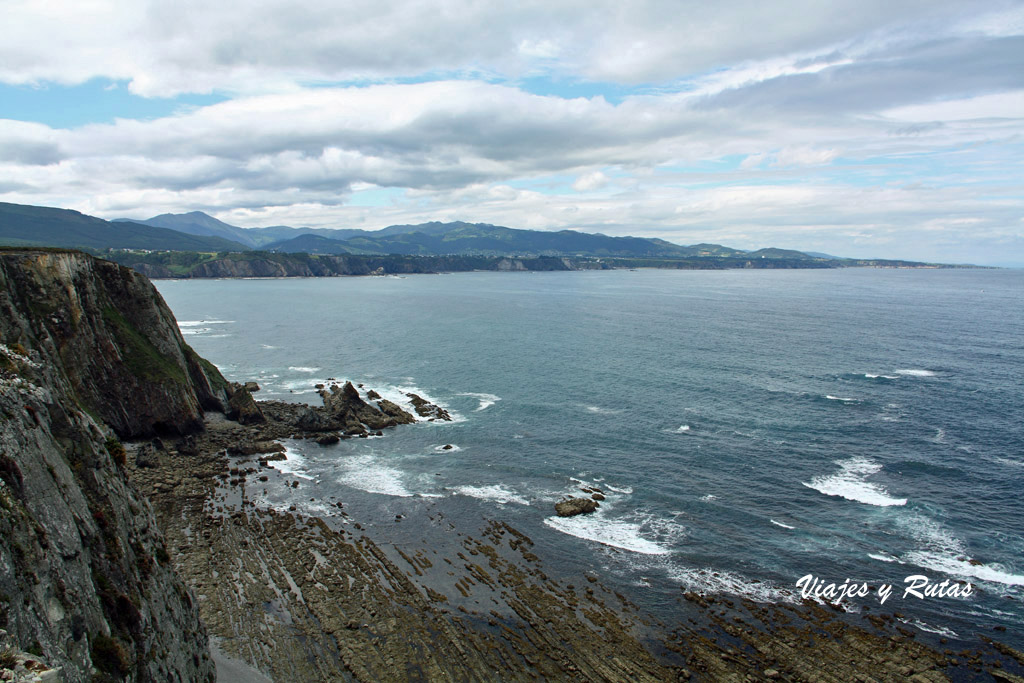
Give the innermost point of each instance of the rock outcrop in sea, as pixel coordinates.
(576, 506)
(91, 355)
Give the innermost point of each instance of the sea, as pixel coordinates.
(748, 429)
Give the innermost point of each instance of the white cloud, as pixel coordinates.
(999, 105)
(164, 48)
(801, 155)
(590, 181)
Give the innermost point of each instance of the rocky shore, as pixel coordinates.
(324, 598)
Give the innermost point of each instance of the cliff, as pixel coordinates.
(111, 334)
(89, 352)
(269, 264)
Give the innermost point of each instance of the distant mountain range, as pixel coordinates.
(457, 238)
(22, 225)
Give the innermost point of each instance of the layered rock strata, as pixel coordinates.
(89, 354)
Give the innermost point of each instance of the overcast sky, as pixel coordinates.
(862, 128)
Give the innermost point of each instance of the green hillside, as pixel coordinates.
(22, 225)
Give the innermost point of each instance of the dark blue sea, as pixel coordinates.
(747, 427)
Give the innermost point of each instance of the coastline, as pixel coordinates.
(330, 596)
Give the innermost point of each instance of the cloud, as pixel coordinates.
(590, 181)
(242, 47)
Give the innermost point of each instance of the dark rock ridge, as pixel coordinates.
(85, 577)
(425, 408)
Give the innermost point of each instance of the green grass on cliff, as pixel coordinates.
(142, 358)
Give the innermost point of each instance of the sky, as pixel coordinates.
(861, 128)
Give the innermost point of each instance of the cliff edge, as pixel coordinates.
(89, 352)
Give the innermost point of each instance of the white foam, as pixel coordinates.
(993, 573)
(683, 429)
(840, 398)
(703, 580)
(784, 526)
(708, 497)
(611, 532)
(453, 448)
(196, 330)
(882, 557)
(302, 369)
(915, 373)
(268, 346)
(931, 629)
(851, 483)
(295, 464)
(604, 486)
(494, 492)
(367, 474)
(602, 411)
(486, 400)
(944, 552)
(874, 376)
(197, 323)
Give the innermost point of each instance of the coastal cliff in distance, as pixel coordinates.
(89, 353)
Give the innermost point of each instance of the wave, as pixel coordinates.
(882, 557)
(708, 497)
(196, 330)
(197, 323)
(448, 448)
(494, 492)
(615, 533)
(600, 483)
(702, 580)
(931, 629)
(294, 464)
(850, 483)
(367, 474)
(300, 368)
(870, 375)
(486, 400)
(944, 552)
(915, 373)
(603, 411)
(683, 429)
(840, 398)
(784, 526)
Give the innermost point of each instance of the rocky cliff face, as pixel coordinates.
(112, 335)
(85, 578)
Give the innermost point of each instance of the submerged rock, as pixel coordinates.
(576, 506)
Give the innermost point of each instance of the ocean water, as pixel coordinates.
(748, 428)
